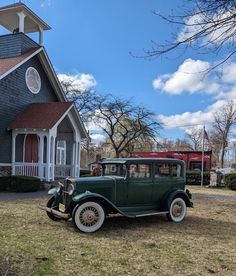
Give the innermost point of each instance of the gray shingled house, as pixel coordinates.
(40, 132)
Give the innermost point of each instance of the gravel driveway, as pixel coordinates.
(22, 196)
(214, 196)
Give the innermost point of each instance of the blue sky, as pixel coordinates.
(91, 41)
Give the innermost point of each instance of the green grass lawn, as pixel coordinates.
(203, 244)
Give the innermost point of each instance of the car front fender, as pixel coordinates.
(97, 197)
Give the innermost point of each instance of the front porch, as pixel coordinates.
(49, 152)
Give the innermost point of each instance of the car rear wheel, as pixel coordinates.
(50, 205)
(89, 216)
(177, 210)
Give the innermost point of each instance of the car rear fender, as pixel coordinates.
(106, 203)
(177, 193)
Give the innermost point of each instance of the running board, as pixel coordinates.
(151, 214)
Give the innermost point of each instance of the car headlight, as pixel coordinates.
(59, 187)
(70, 189)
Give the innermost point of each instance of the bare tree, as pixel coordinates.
(182, 144)
(222, 125)
(206, 26)
(124, 123)
(195, 137)
(215, 139)
(83, 99)
(167, 145)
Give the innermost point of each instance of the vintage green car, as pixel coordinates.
(132, 187)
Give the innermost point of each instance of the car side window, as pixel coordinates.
(139, 171)
(176, 170)
(161, 170)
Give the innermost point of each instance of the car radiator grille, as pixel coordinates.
(66, 199)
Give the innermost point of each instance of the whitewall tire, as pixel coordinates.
(177, 210)
(89, 216)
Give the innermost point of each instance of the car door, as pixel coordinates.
(139, 184)
(162, 180)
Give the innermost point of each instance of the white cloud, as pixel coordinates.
(189, 119)
(189, 77)
(97, 138)
(80, 82)
(190, 28)
(229, 73)
(197, 22)
(46, 3)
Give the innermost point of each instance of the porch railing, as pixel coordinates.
(40, 171)
(30, 169)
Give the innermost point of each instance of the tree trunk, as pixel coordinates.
(117, 153)
(222, 157)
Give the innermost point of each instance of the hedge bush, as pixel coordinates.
(230, 181)
(19, 184)
(194, 178)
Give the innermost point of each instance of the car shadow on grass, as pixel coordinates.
(191, 225)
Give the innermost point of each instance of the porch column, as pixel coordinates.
(40, 36)
(53, 157)
(48, 159)
(13, 152)
(21, 16)
(73, 160)
(41, 151)
(78, 159)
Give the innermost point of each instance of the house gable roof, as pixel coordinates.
(9, 64)
(41, 115)
(46, 116)
(9, 18)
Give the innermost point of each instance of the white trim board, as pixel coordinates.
(5, 164)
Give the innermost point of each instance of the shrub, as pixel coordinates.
(230, 181)
(4, 182)
(194, 178)
(19, 184)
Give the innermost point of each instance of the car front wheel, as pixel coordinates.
(50, 205)
(89, 216)
(177, 210)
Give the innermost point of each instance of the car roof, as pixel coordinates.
(139, 160)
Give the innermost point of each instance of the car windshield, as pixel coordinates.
(114, 169)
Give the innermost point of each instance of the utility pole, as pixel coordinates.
(203, 145)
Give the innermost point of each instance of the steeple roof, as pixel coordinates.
(10, 20)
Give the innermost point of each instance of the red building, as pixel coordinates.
(192, 159)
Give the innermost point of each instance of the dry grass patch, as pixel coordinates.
(204, 244)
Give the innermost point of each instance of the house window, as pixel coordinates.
(33, 80)
(61, 152)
